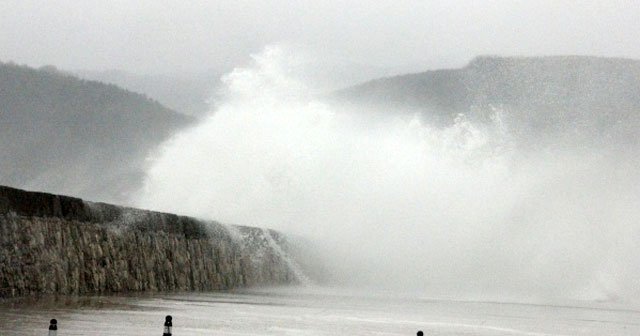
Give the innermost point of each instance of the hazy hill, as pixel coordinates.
(187, 94)
(533, 95)
(66, 135)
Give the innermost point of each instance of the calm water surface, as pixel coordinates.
(308, 312)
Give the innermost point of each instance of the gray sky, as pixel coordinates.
(172, 36)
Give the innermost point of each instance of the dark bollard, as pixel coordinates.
(167, 326)
(53, 327)
(420, 333)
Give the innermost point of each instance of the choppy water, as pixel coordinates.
(309, 312)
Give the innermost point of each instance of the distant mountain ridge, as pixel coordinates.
(187, 94)
(66, 135)
(534, 94)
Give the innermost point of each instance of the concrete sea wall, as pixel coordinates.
(51, 244)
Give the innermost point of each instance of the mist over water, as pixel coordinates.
(391, 202)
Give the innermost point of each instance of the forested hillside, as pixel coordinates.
(188, 94)
(533, 96)
(65, 135)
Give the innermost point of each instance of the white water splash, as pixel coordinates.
(454, 211)
(293, 266)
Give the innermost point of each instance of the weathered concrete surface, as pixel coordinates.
(51, 244)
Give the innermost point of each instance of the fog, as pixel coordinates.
(388, 200)
(391, 202)
(176, 36)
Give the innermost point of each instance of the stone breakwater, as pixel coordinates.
(51, 244)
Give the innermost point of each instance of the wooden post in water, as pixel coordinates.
(53, 327)
(167, 326)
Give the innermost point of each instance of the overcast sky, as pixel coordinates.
(148, 36)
